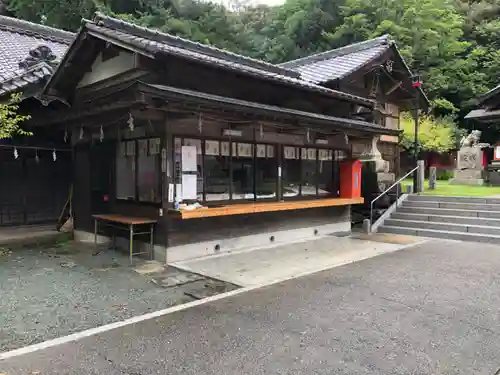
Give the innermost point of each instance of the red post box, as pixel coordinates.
(350, 179)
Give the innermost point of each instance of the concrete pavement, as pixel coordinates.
(430, 309)
(264, 265)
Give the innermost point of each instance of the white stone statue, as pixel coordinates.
(471, 140)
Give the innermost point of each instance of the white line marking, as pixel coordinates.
(156, 314)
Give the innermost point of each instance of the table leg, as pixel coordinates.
(151, 238)
(95, 232)
(131, 242)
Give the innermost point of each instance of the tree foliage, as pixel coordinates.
(10, 119)
(434, 133)
(453, 44)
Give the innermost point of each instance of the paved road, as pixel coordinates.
(431, 309)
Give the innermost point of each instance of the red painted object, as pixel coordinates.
(350, 179)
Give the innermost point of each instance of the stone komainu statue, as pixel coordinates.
(471, 139)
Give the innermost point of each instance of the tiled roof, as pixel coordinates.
(17, 39)
(21, 79)
(340, 62)
(488, 95)
(156, 43)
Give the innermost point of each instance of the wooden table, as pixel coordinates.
(127, 223)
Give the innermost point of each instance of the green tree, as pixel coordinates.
(10, 119)
(439, 134)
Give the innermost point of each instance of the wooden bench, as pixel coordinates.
(129, 224)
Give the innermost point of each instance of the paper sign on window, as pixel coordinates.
(154, 146)
(245, 150)
(189, 159)
(311, 153)
(323, 154)
(261, 151)
(289, 152)
(189, 186)
(224, 148)
(193, 142)
(212, 148)
(303, 153)
(270, 151)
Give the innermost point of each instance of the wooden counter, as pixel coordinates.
(253, 208)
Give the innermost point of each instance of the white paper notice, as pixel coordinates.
(170, 192)
(189, 159)
(189, 186)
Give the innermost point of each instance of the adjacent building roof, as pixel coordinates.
(339, 63)
(28, 52)
(489, 95)
(154, 43)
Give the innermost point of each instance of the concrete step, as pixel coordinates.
(446, 219)
(453, 205)
(439, 198)
(449, 212)
(450, 235)
(449, 227)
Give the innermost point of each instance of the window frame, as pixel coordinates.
(230, 140)
(278, 158)
(334, 162)
(136, 199)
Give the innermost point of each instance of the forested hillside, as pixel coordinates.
(454, 44)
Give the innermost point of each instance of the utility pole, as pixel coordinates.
(416, 82)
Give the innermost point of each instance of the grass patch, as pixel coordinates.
(446, 189)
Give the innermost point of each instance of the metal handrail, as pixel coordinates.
(387, 190)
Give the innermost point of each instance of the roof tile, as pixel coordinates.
(340, 62)
(18, 38)
(156, 42)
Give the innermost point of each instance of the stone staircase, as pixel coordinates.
(457, 218)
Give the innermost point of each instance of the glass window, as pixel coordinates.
(242, 165)
(148, 170)
(325, 172)
(309, 178)
(217, 172)
(199, 164)
(125, 170)
(138, 159)
(266, 171)
(291, 171)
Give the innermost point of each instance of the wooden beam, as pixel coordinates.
(74, 114)
(253, 208)
(396, 86)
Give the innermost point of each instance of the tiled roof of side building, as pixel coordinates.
(28, 53)
(155, 42)
(18, 38)
(340, 62)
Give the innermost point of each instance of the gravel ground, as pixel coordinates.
(54, 292)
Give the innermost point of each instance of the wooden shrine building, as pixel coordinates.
(220, 150)
(35, 171)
